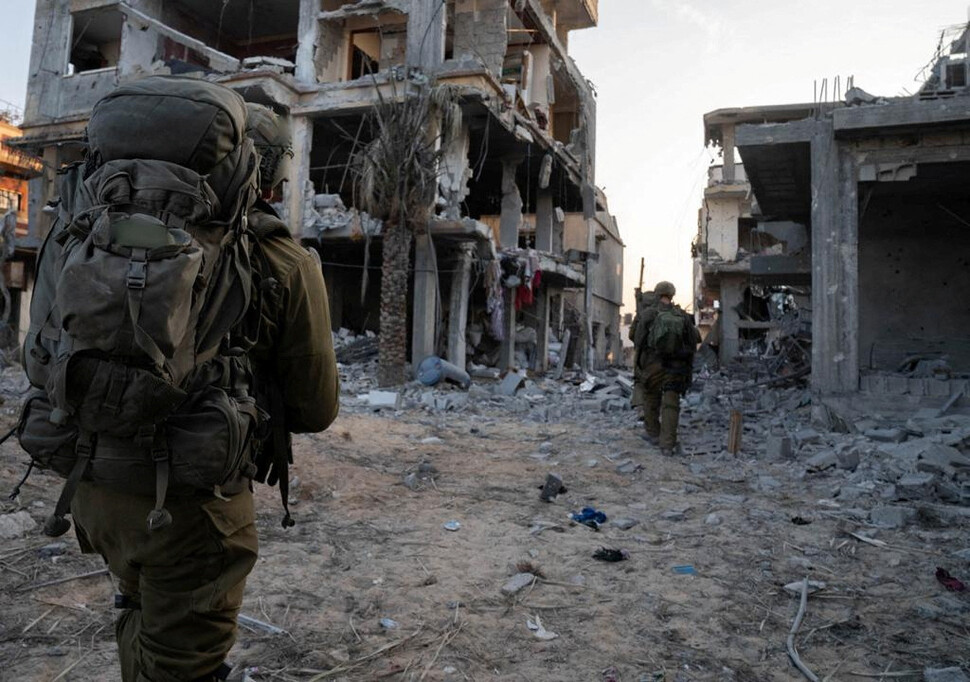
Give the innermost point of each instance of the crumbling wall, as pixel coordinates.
(914, 275)
(481, 32)
(329, 51)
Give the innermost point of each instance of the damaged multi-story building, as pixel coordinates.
(521, 250)
(861, 202)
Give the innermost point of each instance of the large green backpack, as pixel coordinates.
(142, 312)
(668, 333)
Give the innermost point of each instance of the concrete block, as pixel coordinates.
(826, 459)
(915, 486)
(892, 516)
(938, 387)
(944, 675)
(848, 458)
(517, 583)
(379, 399)
(886, 435)
(778, 448)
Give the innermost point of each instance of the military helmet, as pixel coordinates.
(271, 134)
(665, 289)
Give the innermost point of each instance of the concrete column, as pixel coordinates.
(426, 34)
(835, 266)
(544, 212)
(48, 60)
(542, 328)
(425, 300)
(309, 35)
(297, 188)
(727, 148)
(507, 353)
(458, 308)
(139, 44)
(732, 293)
(511, 217)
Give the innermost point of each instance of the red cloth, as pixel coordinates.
(526, 293)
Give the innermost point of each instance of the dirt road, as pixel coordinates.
(700, 597)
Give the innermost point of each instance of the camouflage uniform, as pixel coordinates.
(182, 586)
(662, 380)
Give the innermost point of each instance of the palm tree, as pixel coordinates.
(397, 180)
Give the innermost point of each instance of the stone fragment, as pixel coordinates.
(944, 675)
(624, 523)
(796, 587)
(628, 466)
(551, 488)
(511, 383)
(517, 583)
(13, 526)
(674, 515)
(891, 516)
(712, 519)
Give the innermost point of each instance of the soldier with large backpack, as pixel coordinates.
(665, 340)
(153, 296)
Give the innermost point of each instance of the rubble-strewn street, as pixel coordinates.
(415, 524)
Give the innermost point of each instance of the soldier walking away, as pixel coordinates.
(667, 341)
(153, 298)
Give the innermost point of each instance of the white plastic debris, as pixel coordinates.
(535, 624)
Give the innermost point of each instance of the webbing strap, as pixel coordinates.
(57, 525)
(137, 277)
(159, 517)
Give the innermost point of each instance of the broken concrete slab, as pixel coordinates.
(891, 516)
(510, 384)
(848, 458)
(895, 435)
(826, 459)
(808, 436)
(551, 488)
(628, 466)
(379, 399)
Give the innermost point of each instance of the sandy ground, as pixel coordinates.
(366, 548)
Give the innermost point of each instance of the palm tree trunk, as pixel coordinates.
(393, 343)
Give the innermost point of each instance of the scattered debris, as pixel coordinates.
(451, 525)
(797, 587)
(611, 555)
(259, 626)
(948, 581)
(517, 583)
(16, 525)
(589, 516)
(686, 569)
(552, 487)
(535, 625)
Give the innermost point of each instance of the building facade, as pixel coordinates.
(879, 184)
(517, 201)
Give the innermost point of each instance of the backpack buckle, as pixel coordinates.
(137, 274)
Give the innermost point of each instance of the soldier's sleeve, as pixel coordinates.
(305, 362)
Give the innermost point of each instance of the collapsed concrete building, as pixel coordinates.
(879, 186)
(521, 250)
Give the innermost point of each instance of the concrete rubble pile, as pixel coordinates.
(878, 469)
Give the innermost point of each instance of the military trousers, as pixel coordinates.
(182, 585)
(662, 388)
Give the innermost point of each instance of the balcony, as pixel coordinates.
(715, 175)
(573, 14)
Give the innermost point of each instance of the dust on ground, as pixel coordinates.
(700, 597)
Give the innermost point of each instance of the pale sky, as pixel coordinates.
(659, 65)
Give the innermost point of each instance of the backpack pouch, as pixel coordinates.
(129, 298)
(50, 446)
(209, 438)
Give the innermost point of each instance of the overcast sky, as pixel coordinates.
(659, 65)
